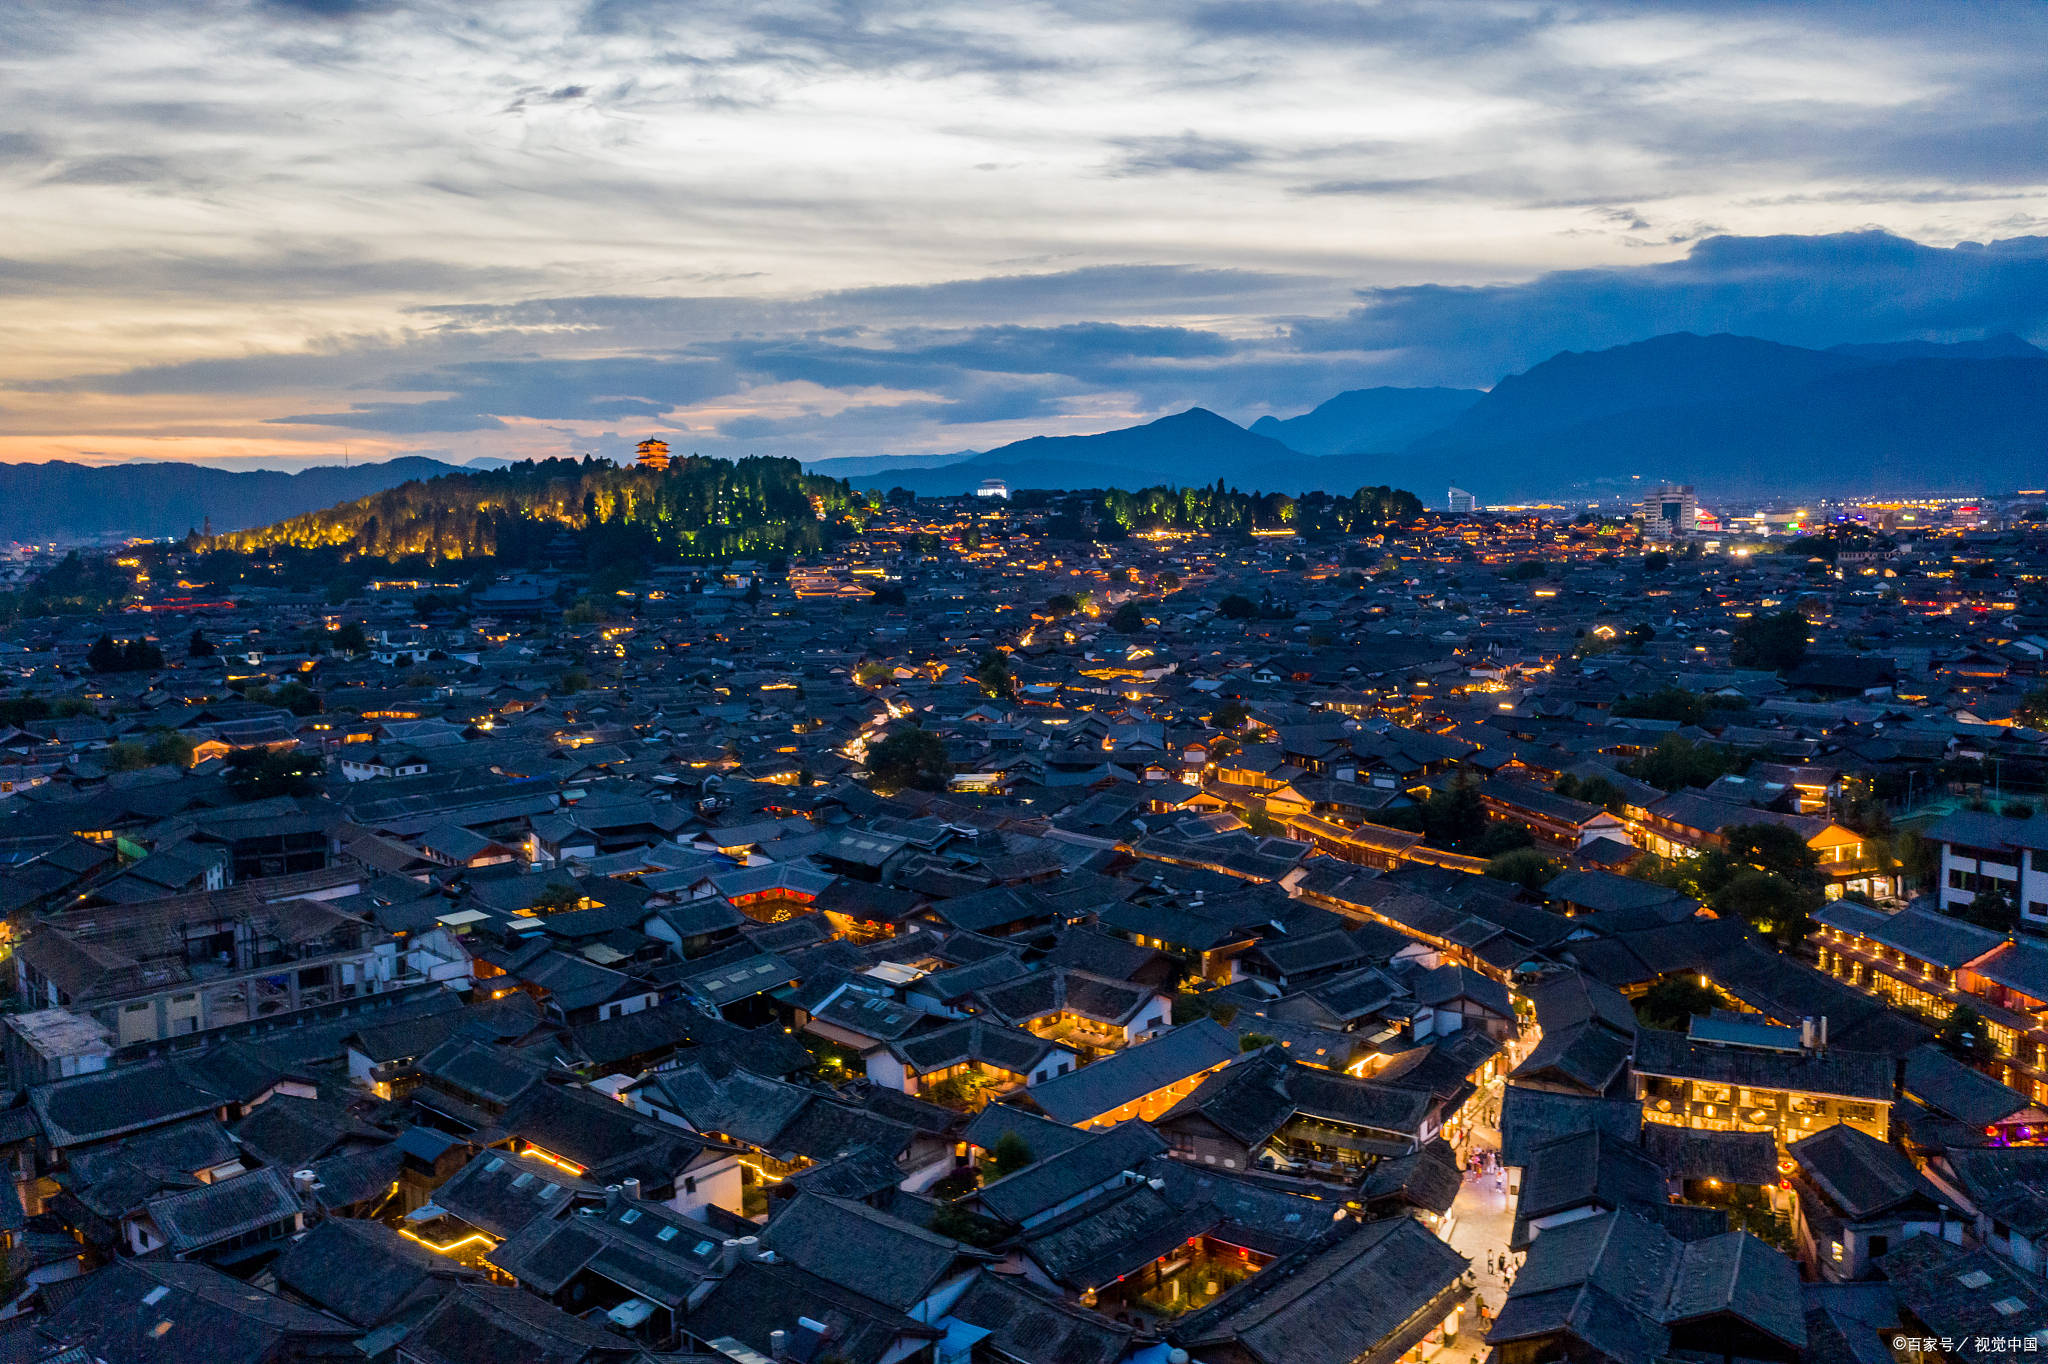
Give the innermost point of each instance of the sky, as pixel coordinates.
(280, 231)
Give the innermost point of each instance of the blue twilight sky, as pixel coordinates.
(268, 229)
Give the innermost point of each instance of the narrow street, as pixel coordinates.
(1483, 1221)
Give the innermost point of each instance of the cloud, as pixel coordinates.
(1189, 152)
(918, 224)
(1815, 291)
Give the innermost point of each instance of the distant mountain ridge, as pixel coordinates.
(1195, 446)
(1733, 415)
(1736, 416)
(64, 501)
(1369, 420)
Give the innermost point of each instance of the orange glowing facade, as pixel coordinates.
(653, 454)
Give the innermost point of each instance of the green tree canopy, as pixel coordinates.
(910, 757)
(1776, 641)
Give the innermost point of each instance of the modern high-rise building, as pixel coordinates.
(1458, 500)
(1668, 510)
(653, 454)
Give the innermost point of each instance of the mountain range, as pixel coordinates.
(64, 501)
(1733, 415)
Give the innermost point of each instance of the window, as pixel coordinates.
(2009, 1306)
(629, 1217)
(1976, 1278)
(689, 1186)
(665, 1234)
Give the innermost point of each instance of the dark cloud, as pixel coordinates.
(1188, 152)
(304, 269)
(482, 391)
(1435, 29)
(325, 9)
(113, 170)
(1857, 286)
(817, 35)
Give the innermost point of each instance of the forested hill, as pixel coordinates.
(64, 501)
(698, 508)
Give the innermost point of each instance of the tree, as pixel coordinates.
(1060, 605)
(2033, 711)
(1525, 867)
(351, 639)
(557, 897)
(1454, 816)
(1677, 762)
(1656, 561)
(1672, 1003)
(1776, 642)
(1128, 619)
(136, 655)
(1009, 1155)
(1592, 790)
(126, 756)
(1776, 908)
(1166, 580)
(260, 773)
(1989, 910)
(296, 697)
(1676, 704)
(1204, 1004)
(1264, 825)
(1230, 715)
(1774, 850)
(874, 673)
(199, 646)
(994, 675)
(167, 747)
(1964, 1034)
(1237, 606)
(911, 757)
(1499, 838)
(1252, 1041)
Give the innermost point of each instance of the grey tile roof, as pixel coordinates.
(860, 1248)
(1529, 1117)
(1861, 1176)
(197, 1218)
(1033, 1328)
(1134, 1072)
(1362, 1298)
(1055, 1178)
(201, 1317)
(1837, 1073)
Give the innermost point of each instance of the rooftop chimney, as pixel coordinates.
(778, 1345)
(631, 1188)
